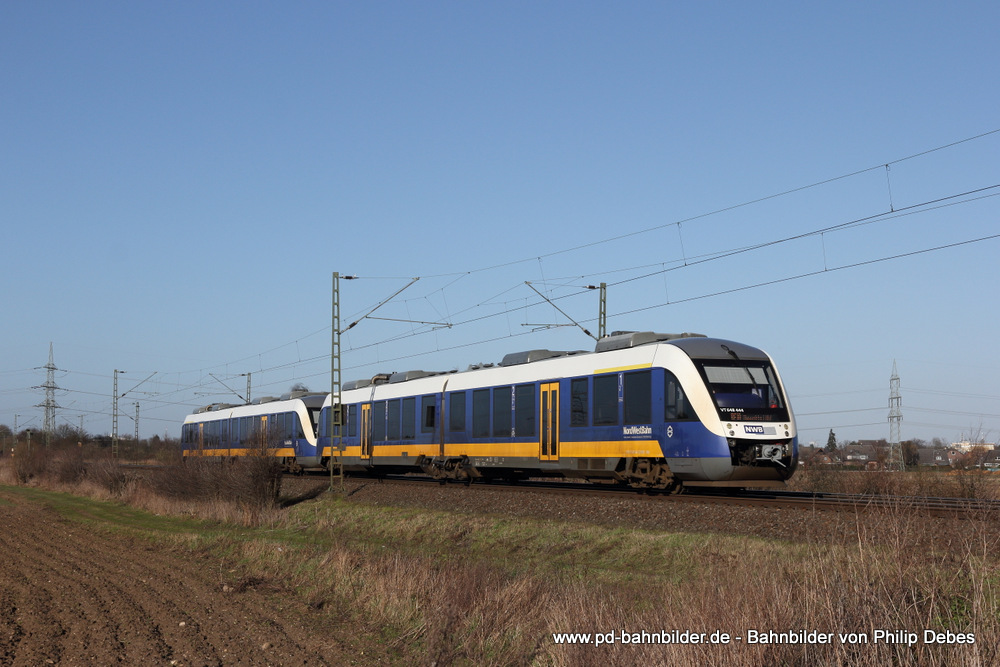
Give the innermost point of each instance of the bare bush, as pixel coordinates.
(68, 466)
(30, 464)
(109, 475)
(251, 482)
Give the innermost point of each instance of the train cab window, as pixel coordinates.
(675, 402)
(393, 420)
(481, 413)
(409, 417)
(456, 411)
(638, 398)
(606, 400)
(578, 402)
(524, 410)
(352, 421)
(378, 421)
(429, 418)
(502, 411)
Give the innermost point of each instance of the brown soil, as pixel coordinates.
(72, 596)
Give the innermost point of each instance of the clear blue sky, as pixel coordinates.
(179, 180)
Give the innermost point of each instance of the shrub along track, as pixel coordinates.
(72, 595)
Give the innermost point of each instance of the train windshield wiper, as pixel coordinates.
(735, 356)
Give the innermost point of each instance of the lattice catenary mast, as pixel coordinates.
(895, 422)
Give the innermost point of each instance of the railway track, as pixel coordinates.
(930, 506)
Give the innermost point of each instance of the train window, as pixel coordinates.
(481, 413)
(456, 411)
(297, 426)
(314, 420)
(378, 421)
(427, 409)
(393, 420)
(638, 398)
(352, 421)
(578, 402)
(675, 402)
(409, 431)
(605, 400)
(524, 410)
(502, 409)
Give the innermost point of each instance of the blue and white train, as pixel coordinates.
(661, 411)
(284, 427)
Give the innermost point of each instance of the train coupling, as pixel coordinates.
(772, 453)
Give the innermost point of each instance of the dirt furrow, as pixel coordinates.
(72, 596)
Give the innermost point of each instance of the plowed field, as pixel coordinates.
(73, 595)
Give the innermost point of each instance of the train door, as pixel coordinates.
(366, 430)
(549, 414)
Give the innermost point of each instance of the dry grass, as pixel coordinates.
(973, 484)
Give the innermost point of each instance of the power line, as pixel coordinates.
(729, 208)
(462, 274)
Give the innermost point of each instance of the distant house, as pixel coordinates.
(933, 457)
(820, 457)
(939, 457)
(862, 456)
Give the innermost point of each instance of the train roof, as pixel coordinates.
(692, 344)
(309, 399)
(716, 348)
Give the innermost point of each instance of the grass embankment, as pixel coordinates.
(449, 588)
(972, 484)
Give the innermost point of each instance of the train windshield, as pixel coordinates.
(744, 390)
